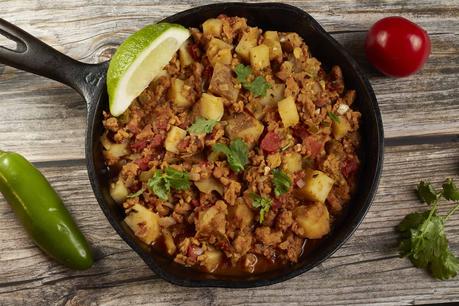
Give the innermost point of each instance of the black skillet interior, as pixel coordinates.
(268, 16)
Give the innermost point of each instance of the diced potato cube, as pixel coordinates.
(273, 42)
(212, 27)
(211, 107)
(184, 55)
(169, 242)
(244, 126)
(106, 143)
(273, 95)
(223, 56)
(340, 128)
(221, 83)
(176, 93)
(255, 108)
(216, 44)
(118, 191)
(212, 220)
(288, 112)
(215, 51)
(243, 215)
(117, 150)
(211, 259)
(144, 223)
(173, 138)
(259, 57)
(316, 187)
(208, 185)
(313, 220)
(292, 162)
(248, 41)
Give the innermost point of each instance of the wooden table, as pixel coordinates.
(45, 121)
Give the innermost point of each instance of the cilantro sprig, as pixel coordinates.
(282, 182)
(423, 236)
(236, 153)
(242, 72)
(258, 86)
(136, 194)
(202, 126)
(333, 117)
(161, 183)
(264, 204)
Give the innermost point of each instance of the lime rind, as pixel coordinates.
(140, 58)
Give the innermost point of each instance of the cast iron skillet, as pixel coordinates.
(89, 81)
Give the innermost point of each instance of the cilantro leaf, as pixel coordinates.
(282, 182)
(177, 179)
(258, 87)
(161, 183)
(264, 204)
(333, 117)
(202, 126)
(423, 235)
(450, 191)
(427, 193)
(236, 153)
(136, 194)
(242, 72)
(445, 266)
(412, 220)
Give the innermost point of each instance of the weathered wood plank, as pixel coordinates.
(365, 270)
(45, 120)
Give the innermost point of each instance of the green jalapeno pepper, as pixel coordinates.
(42, 213)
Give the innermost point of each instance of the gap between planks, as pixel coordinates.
(388, 142)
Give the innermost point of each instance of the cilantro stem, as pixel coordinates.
(432, 210)
(452, 211)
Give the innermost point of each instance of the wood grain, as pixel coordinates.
(49, 118)
(365, 270)
(45, 121)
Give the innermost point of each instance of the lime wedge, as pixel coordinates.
(139, 59)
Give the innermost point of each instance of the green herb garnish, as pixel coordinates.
(136, 194)
(242, 72)
(236, 153)
(264, 204)
(258, 87)
(202, 126)
(282, 182)
(450, 191)
(423, 237)
(161, 183)
(333, 117)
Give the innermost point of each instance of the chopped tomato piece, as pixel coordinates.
(271, 142)
(349, 167)
(313, 145)
(300, 131)
(194, 51)
(139, 145)
(156, 141)
(143, 163)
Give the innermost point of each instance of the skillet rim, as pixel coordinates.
(327, 250)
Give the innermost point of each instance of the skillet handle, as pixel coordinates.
(33, 55)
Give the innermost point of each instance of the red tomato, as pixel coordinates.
(271, 142)
(349, 167)
(397, 47)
